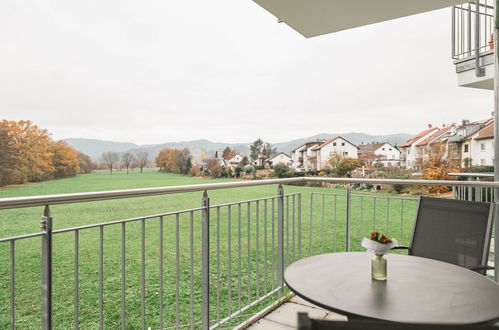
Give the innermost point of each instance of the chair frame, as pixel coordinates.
(485, 253)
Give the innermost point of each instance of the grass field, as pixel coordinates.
(254, 238)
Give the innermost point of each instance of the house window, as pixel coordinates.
(334, 144)
(482, 146)
(408, 152)
(345, 154)
(390, 149)
(482, 161)
(383, 149)
(466, 147)
(389, 164)
(342, 144)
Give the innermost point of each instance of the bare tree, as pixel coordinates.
(127, 160)
(111, 159)
(142, 159)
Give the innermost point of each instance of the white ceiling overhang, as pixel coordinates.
(311, 18)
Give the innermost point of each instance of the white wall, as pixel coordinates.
(280, 159)
(338, 146)
(482, 152)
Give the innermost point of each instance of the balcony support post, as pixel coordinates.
(280, 239)
(46, 251)
(205, 262)
(496, 139)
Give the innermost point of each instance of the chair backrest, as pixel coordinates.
(453, 231)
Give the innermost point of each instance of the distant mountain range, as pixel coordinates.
(94, 148)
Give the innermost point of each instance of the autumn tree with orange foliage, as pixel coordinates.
(436, 167)
(30, 155)
(174, 160)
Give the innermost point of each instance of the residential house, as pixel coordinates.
(433, 145)
(337, 145)
(260, 161)
(379, 153)
(234, 161)
(280, 158)
(478, 147)
(303, 158)
(408, 150)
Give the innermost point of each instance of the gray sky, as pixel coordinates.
(156, 71)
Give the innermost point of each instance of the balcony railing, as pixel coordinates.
(472, 28)
(205, 267)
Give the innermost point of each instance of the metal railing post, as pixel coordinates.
(496, 140)
(280, 239)
(479, 71)
(205, 263)
(349, 213)
(46, 227)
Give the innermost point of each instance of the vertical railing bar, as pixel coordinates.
(273, 244)
(361, 216)
(229, 257)
(349, 216)
(46, 253)
(310, 225)
(101, 277)
(248, 214)
(191, 259)
(239, 256)
(335, 221)
(265, 273)
(205, 262)
(280, 240)
(123, 276)
(161, 272)
(401, 221)
(12, 285)
(299, 225)
(287, 255)
(177, 271)
(257, 256)
(293, 208)
(374, 214)
(387, 215)
(323, 225)
(76, 279)
(218, 265)
(143, 274)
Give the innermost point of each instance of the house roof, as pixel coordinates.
(331, 140)
(372, 147)
(278, 155)
(486, 132)
(434, 136)
(417, 137)
(307, 145)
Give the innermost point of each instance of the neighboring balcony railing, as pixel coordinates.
(472, 28)
(477, 194)
(205, 267)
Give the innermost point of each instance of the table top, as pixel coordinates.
(418, 290)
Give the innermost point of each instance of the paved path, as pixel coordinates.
(286, 315)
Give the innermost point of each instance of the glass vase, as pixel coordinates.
(378, 268)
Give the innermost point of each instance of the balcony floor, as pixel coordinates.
(286, 315)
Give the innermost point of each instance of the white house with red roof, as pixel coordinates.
(337, 145)
(408, 150)
(478, 147)
(380, 152)
(303, 158)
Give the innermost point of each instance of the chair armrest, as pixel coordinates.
(402, 248)
(481, 268)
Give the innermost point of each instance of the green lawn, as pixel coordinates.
(327, 235)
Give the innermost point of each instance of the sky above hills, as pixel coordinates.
(155, 71)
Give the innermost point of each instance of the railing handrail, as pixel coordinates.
(30, 201)
(474, 175)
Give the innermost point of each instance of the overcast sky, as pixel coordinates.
(162, 70)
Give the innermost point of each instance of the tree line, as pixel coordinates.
(29, 154)
(127, 161)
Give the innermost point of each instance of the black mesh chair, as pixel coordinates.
(306, 323)
(453, 231)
